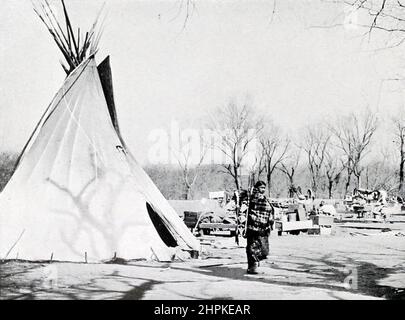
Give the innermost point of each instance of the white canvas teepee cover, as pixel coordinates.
(77, 193)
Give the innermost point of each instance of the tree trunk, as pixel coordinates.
(268, 176)
(236, 178)
(314, 183)
(188, 193)
(291, 188)
(367, 179)
(349, 175)
(291, 191)
(358, 180)
(401, 178)
(330, 187)
(252, 180)
(401, 169)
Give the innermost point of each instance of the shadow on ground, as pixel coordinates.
(313, 273)
(331, 276)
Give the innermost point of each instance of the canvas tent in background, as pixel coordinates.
(77, 193)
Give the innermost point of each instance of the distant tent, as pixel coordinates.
(77, 193)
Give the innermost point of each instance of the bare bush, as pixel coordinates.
(7, 165)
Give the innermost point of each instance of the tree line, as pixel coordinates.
(330, 157)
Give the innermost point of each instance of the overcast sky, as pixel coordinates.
(163, 72)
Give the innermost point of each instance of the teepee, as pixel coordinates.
(77, 193)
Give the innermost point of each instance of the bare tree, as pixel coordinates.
(316, 141)
(353, 133)
(383, 15)
(237, 126)
(257, 168)
(399, 140)
(274, 150)
(389, 17)
(185, 159)
(380, 172)
(333, 168)
(289, 167)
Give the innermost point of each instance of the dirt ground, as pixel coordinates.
(349, 264)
